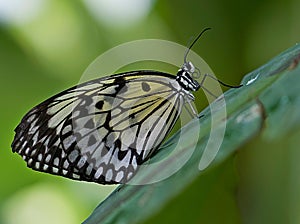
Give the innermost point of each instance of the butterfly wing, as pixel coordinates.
(101, 130)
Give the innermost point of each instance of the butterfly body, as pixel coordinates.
(102, 130)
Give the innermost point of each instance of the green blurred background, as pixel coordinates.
(45, 47)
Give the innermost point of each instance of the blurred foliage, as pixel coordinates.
(49, 53)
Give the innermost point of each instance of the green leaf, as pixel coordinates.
(266, 105)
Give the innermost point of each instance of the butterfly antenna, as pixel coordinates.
(196, 39)
(198, 71)
(219, 81)
(230, 86)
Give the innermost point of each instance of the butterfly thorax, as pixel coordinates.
(184, 77)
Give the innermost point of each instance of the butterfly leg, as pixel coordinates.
(192, 111)
(202, 85)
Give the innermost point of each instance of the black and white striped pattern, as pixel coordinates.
(102, 130)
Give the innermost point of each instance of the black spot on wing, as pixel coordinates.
(118, 143)
(122, 154)
(92, 140)
(89, 124)
(145, 87)
(99, 105)
(120, 83)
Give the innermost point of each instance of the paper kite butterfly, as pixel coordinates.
(102, 130)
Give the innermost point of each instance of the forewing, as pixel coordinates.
(102, 130)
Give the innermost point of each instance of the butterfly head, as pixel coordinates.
(187, 72)
(185, 76)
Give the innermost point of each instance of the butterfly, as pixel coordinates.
(102, 130)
